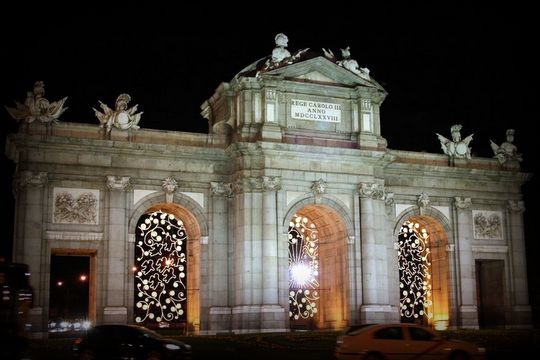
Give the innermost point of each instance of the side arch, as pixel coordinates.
(196, 227)
(440, 233)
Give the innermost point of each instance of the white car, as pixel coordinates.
(401, 341)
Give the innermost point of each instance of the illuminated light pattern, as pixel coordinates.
(303, 269)
(414, 277)
(160, 271)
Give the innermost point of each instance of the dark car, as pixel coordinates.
(401, 341)
(128, 342)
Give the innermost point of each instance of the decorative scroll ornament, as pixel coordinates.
(414, 277)
(303, 268)
(271, 183)
(456, 148)
(389, 198)
(37, 108)
(516, 206)
(462, 202)
(222, 189)
(118, 183)
(318, 187)
(161, 271)
(423, 200)
(371, 190)
(169, 185)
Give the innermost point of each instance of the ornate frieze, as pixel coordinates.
(221, 189)
(75, 206)
(118, 183)
(371, 190)
(487, 224)
(462, 202)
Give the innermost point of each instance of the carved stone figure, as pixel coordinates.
(456, 148)
(279, 53)
(351, 64)
(36, 107)
(121, 117)
(507, 151)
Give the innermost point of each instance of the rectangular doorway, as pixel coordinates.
(490, 293)
(71, 291)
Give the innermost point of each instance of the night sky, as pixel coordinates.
(463, 64)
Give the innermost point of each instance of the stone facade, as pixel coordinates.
(299, 138)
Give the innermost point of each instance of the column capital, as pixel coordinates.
(221, 189)
(462, 203)
(371, 190)
(30, 178)
(271, 183)
(516, 206)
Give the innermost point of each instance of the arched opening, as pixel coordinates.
(318, 275)
(166, 271)
(423, 272)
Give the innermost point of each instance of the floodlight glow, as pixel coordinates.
(301, 273)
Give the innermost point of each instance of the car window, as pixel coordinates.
(353, 328)
(389, 333)
(420, 334)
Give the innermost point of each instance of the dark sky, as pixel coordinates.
(441, 65)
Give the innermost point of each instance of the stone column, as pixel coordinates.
(273, 315)
(520, 301)
(28, 247)
(374, 282)
(220, 310)
(115, 268)
(465, 265)
(248, 272)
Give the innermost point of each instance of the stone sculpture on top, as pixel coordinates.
(37, 108)
(456, 148)
(121, 117)
(507, 151)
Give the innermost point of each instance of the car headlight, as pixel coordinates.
(172, 346)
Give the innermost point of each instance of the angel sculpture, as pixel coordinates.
(121, 118)
(507, 151)
(36, 107)
(456, 148)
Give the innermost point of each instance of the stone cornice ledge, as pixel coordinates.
(74, 236)
(490, 248)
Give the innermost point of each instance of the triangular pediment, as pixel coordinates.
(321, 70)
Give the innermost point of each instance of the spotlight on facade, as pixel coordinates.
(83, 278)
(301, 273)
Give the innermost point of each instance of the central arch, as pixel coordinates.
(332, 271)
